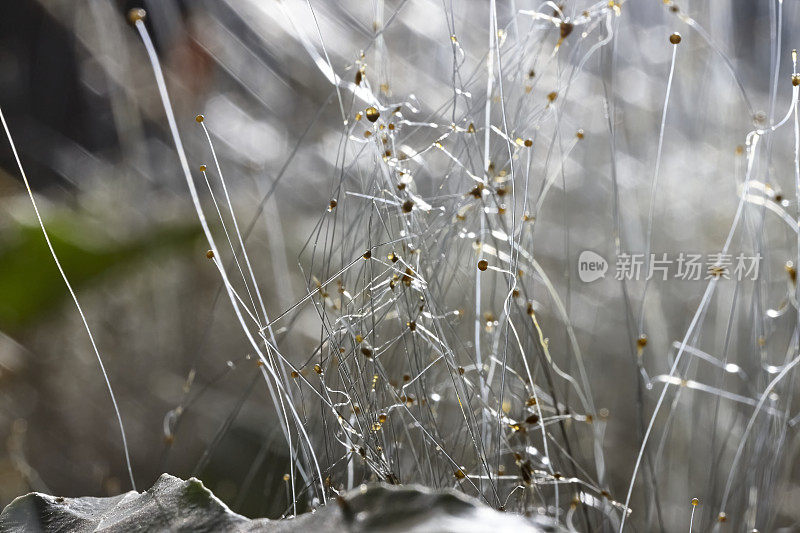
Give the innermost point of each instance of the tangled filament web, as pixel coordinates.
(451, 342)
(447, 352)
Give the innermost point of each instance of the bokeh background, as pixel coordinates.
(81, 101)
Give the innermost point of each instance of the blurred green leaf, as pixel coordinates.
(30, 284)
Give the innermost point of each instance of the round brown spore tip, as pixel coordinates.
(641, 342)
(675, 38)
(795, 80)
(210, 254)
(199, 118)
(136, 14)
(695, 502)
(372, 114)
(483, 264)
(202, 168)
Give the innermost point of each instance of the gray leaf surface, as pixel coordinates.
(173, 504)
